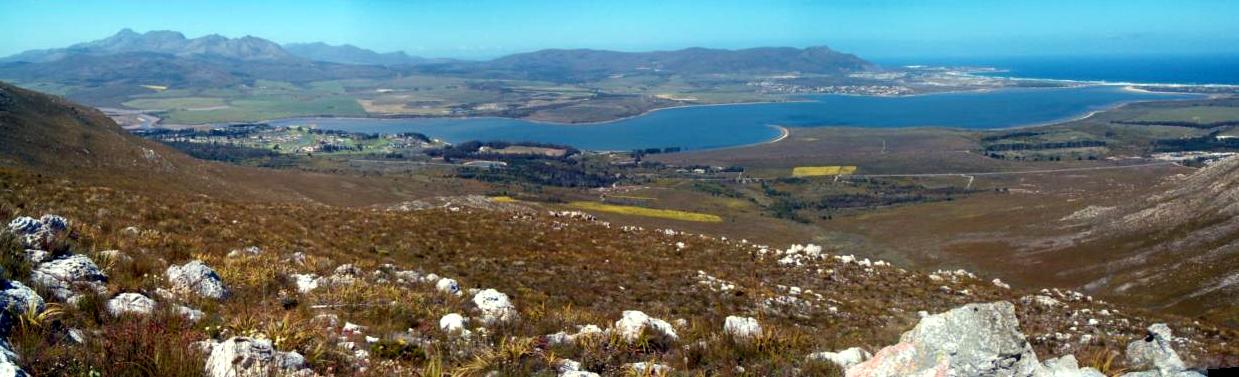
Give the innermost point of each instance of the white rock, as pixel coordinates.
(570, 368)
(353, 328)
(65, 274)
(248, 357)
(1067, 366)
(452, 323)
(633, 323)
(973, 340)
(193, 315)
(36, 256)
(196, 278)
(1155, 351)
(305, 282)
(998, 283)
(742, 327)
(495, 306)
(844, 359)
(648, 369)
(130, 303)
(16, 297)
(449, 286)
(8, 361)
(250, 251)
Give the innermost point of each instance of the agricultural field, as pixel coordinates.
(1195, 114)
(819, 171)
(647, 212)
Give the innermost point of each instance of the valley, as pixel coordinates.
(240, 207)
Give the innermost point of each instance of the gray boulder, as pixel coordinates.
(249, 357)
(973, 340)
(198, 279)
(24, 225)
(1067, 366)
(8, 361)
(68, 273)
(16, 297)
(495, 306)
(35, 233)
(1155, 351)
(844, 359)
(130, 303)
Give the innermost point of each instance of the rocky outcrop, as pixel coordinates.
(130, 303)
(1154, 351)
(742, 327)
(633, 323)
(249, 357)
(8, 361)
(37, 233)
(973, 340)
(63, 275)
(495, 306)
(198, 279)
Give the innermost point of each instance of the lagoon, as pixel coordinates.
(720, 126)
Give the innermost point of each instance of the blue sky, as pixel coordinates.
(480, 29)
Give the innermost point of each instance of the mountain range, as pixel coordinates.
(168, 56)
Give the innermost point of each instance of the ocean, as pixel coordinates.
(1164, 69)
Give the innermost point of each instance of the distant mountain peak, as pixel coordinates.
(164, 42)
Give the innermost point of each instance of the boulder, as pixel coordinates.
(69, 272)
(648, 369)
(16, 297)
(306, 282)
(129, 302)
(193, 315)
(452, 323)
(249, 357)
(36, 256)
(633, 323)
(973, 340)
(571, 368)
(449, 286)
(8, 361)
(36, 233)
(24, 225)
(495, 306)
(1155, 351)
(250, 251)
(844, 359)
(742, 327)
(196, 278)
(1067, 366)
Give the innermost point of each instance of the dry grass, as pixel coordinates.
(560, 273)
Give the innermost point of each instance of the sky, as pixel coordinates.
(484, 29)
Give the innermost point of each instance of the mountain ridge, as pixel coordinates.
(164, 42)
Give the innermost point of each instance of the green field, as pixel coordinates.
(1197, 114)
(269, 107)
(180, 103)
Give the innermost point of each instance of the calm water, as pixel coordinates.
(707, 127)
